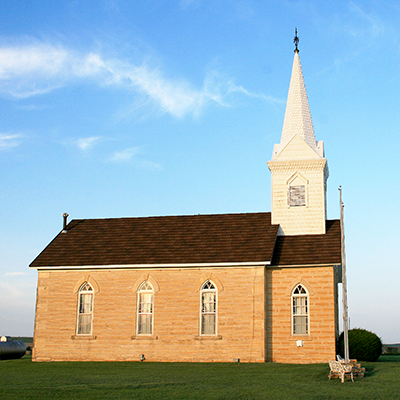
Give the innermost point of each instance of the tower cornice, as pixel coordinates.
(283, 167)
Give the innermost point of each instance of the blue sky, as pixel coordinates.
(121, 108)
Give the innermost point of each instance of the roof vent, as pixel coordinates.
(65, 216)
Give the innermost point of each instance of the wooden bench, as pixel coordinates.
(340, 370)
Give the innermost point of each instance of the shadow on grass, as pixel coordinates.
(370, 371)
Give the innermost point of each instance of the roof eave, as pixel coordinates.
(152, 266)
(332, 264)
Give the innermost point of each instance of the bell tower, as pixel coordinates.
(299, 170)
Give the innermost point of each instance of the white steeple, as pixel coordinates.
(297, 116)
(298, 166)
(298, 119)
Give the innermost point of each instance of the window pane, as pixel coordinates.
(145, 324)
(85, 303)
(208, 285)
(145, 286)
(86, 288)
(84, 324)
(300, 325)
(299, 305)
(146, 303)
(209, 302)
(299, 290)
(208, 324)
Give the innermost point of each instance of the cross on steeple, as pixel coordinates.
(296, 41)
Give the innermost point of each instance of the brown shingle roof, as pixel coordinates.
(310, 249)
(220, 238)
(190, 239)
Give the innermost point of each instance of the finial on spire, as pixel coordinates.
(296, 41)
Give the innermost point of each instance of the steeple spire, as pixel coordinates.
(297, 116)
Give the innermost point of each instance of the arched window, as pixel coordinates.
(300, 311)
(85, 310)
(145, 309)
(208, 299)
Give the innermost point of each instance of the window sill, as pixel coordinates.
(305, 338)
(215, 337)
(143, 337)
(83, 337)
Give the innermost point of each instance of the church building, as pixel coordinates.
(248, 287)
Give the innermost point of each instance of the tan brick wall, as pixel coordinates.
(319, 345)
(176, 316)
(241, 333)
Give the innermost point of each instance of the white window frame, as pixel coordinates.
(145, 309)
(300, 306)
(208, 288)
(85, 308)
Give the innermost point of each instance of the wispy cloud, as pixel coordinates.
(374, 25)
(233, 88)
(36, 69)
(360, 31)
(131, 155)
(16, 273)
(125, 155)
(29, 70)
(176, 97)
(86, 143)
(9, 140)
(32, 107)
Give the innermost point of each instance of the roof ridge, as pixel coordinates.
(172, 216)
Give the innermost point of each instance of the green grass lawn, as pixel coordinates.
(23, 379)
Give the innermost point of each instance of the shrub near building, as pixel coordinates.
(363, 345)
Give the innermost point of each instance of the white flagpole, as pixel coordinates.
(344, 283)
